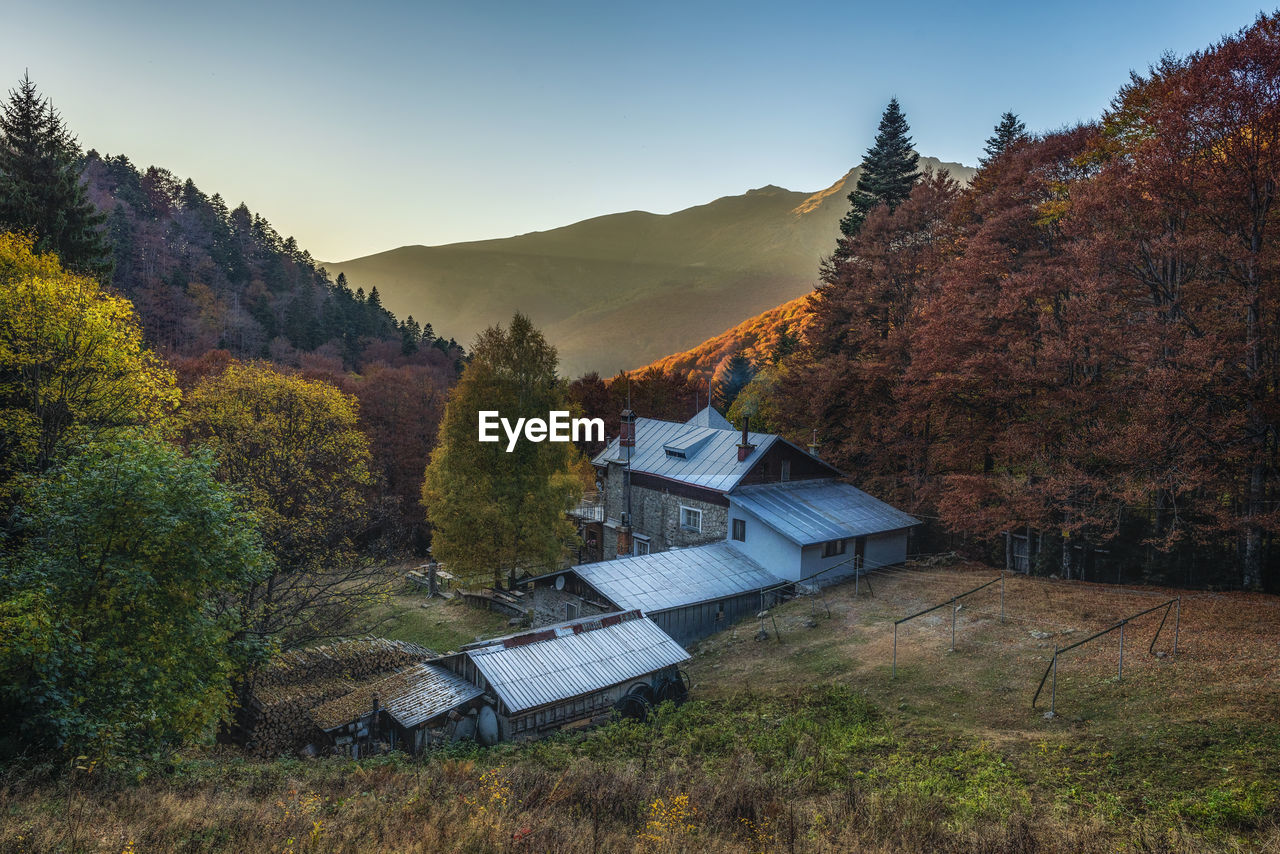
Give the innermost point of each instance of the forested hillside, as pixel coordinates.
(1083, 346)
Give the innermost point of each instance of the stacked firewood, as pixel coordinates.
(297, 682)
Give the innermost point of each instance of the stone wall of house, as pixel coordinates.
(657, 515)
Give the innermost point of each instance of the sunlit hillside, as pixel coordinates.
(624, 289)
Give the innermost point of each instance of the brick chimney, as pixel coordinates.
(745, 447)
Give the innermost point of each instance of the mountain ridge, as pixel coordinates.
(625, 289)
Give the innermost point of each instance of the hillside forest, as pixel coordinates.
(1080, 347)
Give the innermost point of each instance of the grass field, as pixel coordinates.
(803, 742)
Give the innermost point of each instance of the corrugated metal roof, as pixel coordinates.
(578, 658)
(411, 696)
(714, 466)
(672, 579)
(815, 511)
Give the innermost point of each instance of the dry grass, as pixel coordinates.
(802, 744)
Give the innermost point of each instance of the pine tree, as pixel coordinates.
(1010, 130)
(40, 189)
(888, 171)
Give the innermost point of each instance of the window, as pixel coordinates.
(740, 530)
(691, 519)
(640, 546)
(833, 548)
(786, 470)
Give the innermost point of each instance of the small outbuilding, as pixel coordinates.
(689, 593)
(573, 673)
(418, 707)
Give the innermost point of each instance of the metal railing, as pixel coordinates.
(953, 603)
(590, 508)
(1174, 604)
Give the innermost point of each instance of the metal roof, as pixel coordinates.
(573, 659)
(816, 511)
(714, 466)
(709, 417)
(412, 696)
(672, 579)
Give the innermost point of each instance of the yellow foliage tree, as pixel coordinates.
(294, 448)
(73, 364)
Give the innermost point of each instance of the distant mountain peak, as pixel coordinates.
(767, 190)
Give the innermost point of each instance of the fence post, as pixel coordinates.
(1120, 671)
(1177, 619)
(1002, 597)
(894, 673)
(1053, 692)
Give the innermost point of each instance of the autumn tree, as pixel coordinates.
(40, 188)
(888, 171)
(112, 644)
(846, 381)
(294, 449)
(73, 364)
(495, 511)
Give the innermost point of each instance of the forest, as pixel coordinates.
(1082, 345)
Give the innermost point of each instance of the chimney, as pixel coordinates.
(745, 447)
(627, 437)
(624, 537)
(813, 446)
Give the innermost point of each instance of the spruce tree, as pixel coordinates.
(1009, 131)
(888, 171)
(40, 189)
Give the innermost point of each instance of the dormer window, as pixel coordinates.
(672, 452)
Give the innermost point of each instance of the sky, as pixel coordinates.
(358, 128)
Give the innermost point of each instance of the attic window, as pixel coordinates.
(672, 452)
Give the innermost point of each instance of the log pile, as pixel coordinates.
(286, 692)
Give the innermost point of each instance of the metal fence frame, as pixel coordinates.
(952, 602)
(1174, 604)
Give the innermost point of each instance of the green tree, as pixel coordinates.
(294, 448)
(112, 642)
(73, 364)
(492, 511)
(1007, 132)
(888, 171)
(40, 189)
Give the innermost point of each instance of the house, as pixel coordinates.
(573, 673)
(672, 485)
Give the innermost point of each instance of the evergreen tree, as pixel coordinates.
(40, 189)
(1010, 130)
(888, 172)
(737, 372)
(375, 301)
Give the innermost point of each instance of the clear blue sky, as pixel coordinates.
(362, 127)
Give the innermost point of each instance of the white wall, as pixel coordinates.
(764, 545)
(886, 549)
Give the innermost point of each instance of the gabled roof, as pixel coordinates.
(574, 658)
(714, 465)
(709, 417)
(675, 578)
(816, 511)
(412, 696)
